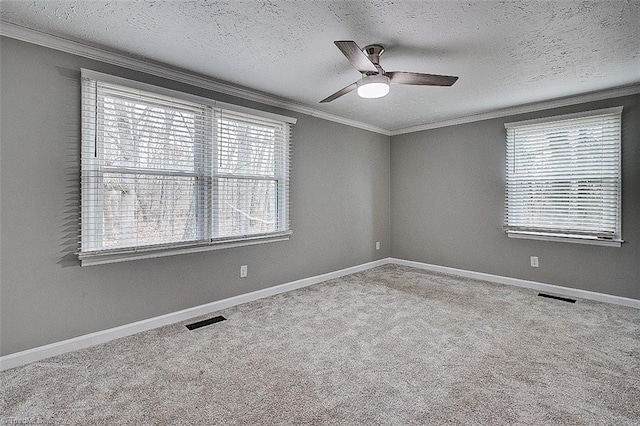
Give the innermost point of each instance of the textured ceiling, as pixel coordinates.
(505, 53)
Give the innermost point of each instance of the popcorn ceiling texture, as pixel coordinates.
(505, 53)
(391, 345)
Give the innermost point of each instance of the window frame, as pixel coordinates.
(565, 235)
(92, 178)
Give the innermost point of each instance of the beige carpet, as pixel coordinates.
(391, 345)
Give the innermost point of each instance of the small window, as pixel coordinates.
(166, 173)
(563, 178)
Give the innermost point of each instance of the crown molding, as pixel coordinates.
(161, 70)
(522, 109)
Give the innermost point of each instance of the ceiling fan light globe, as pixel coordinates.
(373, 86)
(373, 90)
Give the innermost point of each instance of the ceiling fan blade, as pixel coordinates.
(401, 77)
(355, 55)
(340, 92)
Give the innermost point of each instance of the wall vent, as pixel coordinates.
(206, 322)
(551, 296)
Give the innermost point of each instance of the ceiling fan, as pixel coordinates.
(375, 80)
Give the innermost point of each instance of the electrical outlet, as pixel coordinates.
(377, 245)
(534, 261)
(243, 271)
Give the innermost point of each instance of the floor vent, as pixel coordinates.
(551, 296)
(205, 322)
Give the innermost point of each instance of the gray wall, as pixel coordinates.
(447, 201)
(446, 207)
(339, 198)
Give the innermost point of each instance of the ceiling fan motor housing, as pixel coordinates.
(373, 52)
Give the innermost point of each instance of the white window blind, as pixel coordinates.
(563, 177)
(168, 174)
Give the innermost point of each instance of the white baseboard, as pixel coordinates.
(36, 354)
(534, 285)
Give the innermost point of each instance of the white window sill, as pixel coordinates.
(101, 258)
(565, 239)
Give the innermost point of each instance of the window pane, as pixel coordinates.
(146, 135)
(571, 206)
(148, 209)
(246, 206)
(246, 149)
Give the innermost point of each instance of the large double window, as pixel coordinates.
(563, 178)
(165, 172)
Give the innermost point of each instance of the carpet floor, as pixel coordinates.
(391, 345)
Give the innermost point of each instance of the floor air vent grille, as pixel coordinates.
(205, 322)
(551, 296)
